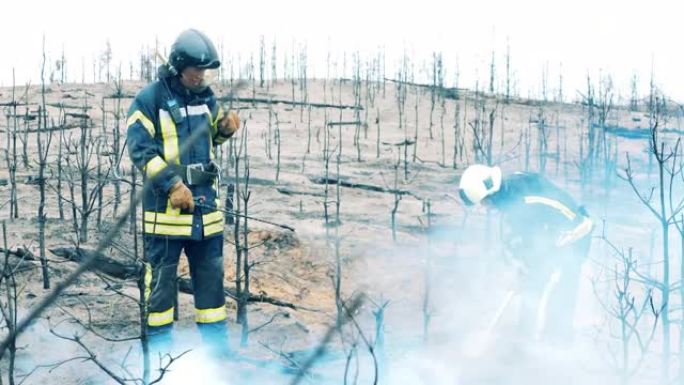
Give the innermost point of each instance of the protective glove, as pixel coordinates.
(229, 123)
(181, 197)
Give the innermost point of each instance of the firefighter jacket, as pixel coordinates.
(539, 215)
(160, 120)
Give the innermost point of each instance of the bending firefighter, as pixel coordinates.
(544, 231)
(161, 120)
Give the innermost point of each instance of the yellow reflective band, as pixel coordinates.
(582, 229)
(170, 210)
(219, 115)
(147, 123)
(211, 218)
(154, 166)
(148, 281)
(213, 229)
(169, 136)
(205, 316)
(155, 228)
(160, 318)
(553, 203)
(168, 219)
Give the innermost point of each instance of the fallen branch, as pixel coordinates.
(285, 191)
(362, 186)
(113, 268)
(354, 123)
(446, 92)
(252, 180)
(119, 96)
(48, 129)
(19, 252)
(233, 98)
(67, 106)
(77, 115)
(185, 286)
(103, 263)
(12, 104)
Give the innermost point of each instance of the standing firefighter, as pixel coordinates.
(161, 121)
(545, 230)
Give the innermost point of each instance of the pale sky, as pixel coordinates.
(607, 36)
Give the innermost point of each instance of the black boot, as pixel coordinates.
(215, 338)
(160, 340)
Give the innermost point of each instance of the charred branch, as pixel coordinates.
(362, 186)
(232, 98)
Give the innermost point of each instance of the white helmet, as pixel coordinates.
(478, 182)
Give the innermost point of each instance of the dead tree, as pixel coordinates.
(86, 148)
(545, 82)
(415, 129)
(368, 99)
(356, 86)
(303, 82)
(88, 263)
(240, 233)
(79, 159)
(434, 90)
(27, 118)
(349, 309)
(542, 140)
(379, 343)
(117, 150)
(11, 153)
(327, 152)
(483, 135)
(274, 67)
(507, 98)
(395, 206)
(605, 106)
(277, 141)
(105, 62)
(492, 74)
(377, 126)
(459, 137)
(679, 225)
(666, 212)
(402, 90)
(635, 333)
(120, 373)
(43, 151)
(337, 239)
(268, 138)
(10, 308)
(634, 94)
(262, 61)
(60, 165)
(442, 114)
(308, 129)
(99, 177)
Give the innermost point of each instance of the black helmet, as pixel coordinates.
(192, 48)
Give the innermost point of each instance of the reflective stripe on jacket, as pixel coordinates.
(154, 142)
(537, 211)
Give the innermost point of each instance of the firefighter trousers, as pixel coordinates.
(205, 258)
(561, 303)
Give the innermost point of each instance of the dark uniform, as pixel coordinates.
(545, 230)
(160, 120)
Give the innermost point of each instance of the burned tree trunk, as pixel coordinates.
(43, 150)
